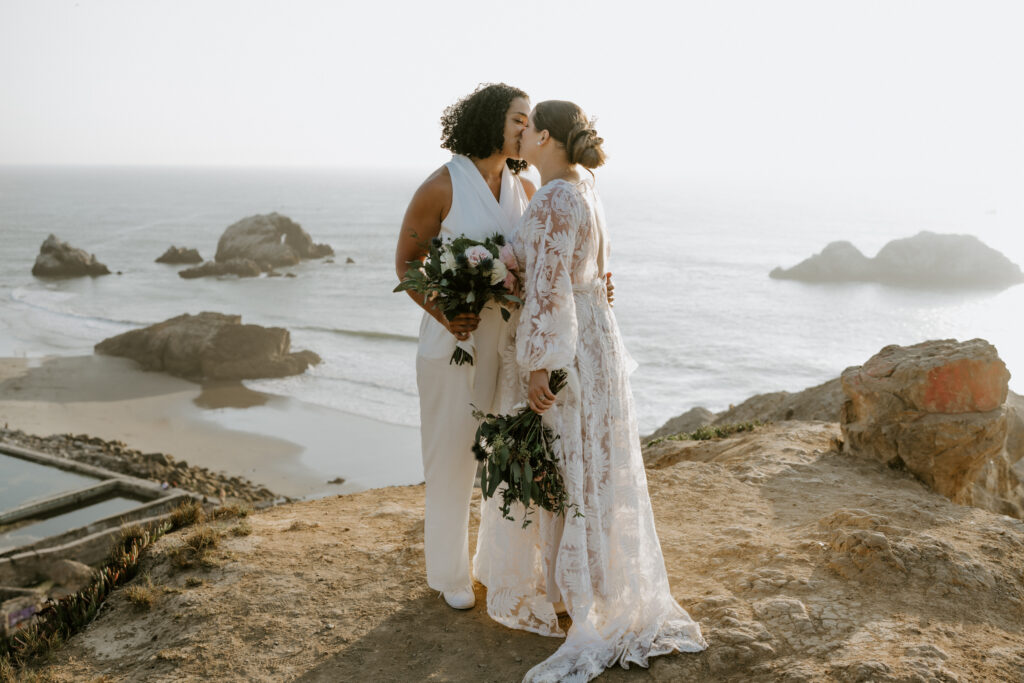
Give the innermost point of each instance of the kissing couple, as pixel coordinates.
(602, 569)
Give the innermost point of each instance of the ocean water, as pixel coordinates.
(690, 262)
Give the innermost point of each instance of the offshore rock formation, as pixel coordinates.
(271, 240)
(924, 260)
(60, 259)
(266, 241)
(180, 255)
(211, 346)
(242, 267)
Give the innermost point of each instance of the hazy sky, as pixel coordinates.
(763, 89)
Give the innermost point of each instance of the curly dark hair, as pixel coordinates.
(475, 125)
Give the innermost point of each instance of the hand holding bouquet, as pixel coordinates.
(462, 275)
(518, 450)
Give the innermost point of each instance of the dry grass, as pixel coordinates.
(188, 513)
(302, 525)
(193, 550)
(202, 539)
(141, 594)
(231, 511)
(241, 529)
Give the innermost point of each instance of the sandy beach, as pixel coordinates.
(292, 447)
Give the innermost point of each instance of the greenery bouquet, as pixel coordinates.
(518, 450)
(462, 275)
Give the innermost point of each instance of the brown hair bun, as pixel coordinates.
(567, 124)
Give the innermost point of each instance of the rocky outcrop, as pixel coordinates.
(924, 260)
(242, 267)
(180, 255)
(935, 408)
(258, 244)
(211, 346)
(692, 419)
(995, 483)
(822, 402)
(271, 240)
(999, 484)
(837, 262)
(60, 259)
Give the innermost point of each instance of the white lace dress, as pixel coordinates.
(607, 565)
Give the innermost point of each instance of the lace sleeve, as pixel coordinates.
(546, 338)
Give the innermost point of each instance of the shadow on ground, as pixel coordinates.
(442, 644)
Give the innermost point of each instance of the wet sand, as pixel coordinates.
(291, 447)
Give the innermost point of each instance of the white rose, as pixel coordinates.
(447, 259)
(499, 273)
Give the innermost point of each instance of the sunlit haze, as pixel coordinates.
(804, 90)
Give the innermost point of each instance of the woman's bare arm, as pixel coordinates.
(422, 222)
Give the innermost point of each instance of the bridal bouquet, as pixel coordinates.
(518, 450)
(462, 275)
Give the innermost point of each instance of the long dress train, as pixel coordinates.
(606, 565)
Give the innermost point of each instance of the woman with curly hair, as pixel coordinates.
(477, 193)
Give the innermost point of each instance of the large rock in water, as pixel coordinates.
(180, 255)
(924, 260)
(271, 240)
(936, 408)
(211, 346)
(242, 267)
(60, 259)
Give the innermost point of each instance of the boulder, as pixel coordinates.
(180, 255)
(999, 485)
(211, 346)
(271, 240)
(60, 259)
(935, 408)
(242, 267)
(692, 419)
(927, 259)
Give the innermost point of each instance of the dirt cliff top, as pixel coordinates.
(800, 562)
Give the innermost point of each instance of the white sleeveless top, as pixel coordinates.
(475, 214)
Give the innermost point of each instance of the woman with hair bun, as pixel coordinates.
(604, 568)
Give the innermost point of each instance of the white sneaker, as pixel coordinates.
(462, 598)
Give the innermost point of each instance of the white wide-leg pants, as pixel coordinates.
(447, 428)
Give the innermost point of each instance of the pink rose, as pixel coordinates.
(476, 254)
(508, 257)
(510, 282)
